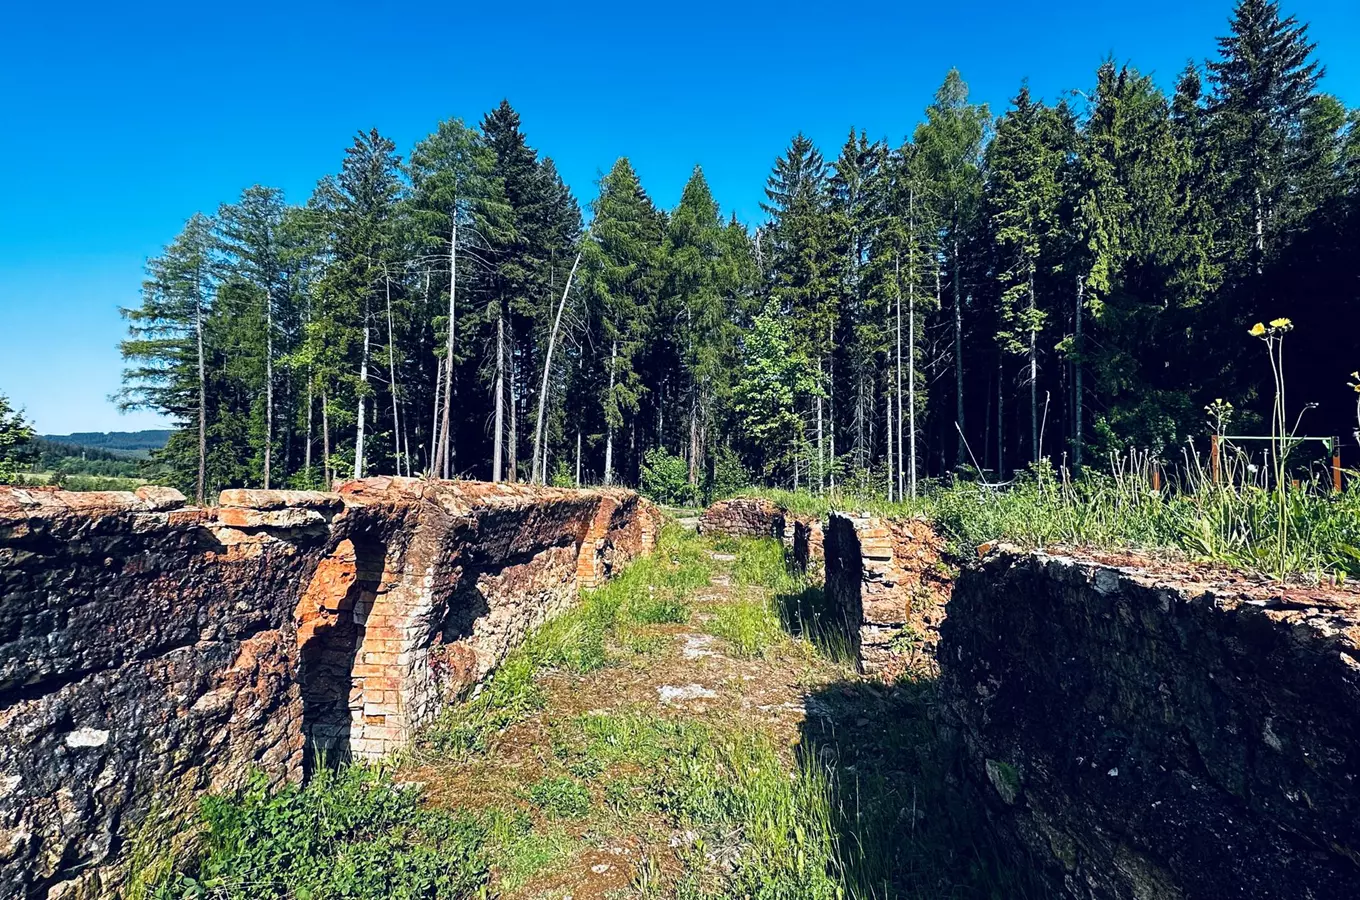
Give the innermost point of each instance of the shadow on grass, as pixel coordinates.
(808, 614)
(902, 822)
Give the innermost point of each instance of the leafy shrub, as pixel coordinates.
(729, 475)
(665, 479)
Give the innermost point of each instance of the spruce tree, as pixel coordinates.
(950, 141)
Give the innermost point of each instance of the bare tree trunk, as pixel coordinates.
(911, 340)
(325, 441)
(363, 402)
(268, 384)
(1033, 374)
(201, 485)
(392, 377)
(958, 346)
(892, 472)
(609, 428)
(897, 277)
(693, 436)
(432, 457)
(1000, 415)
(831, 420)
(911, 385)
(578, 457)
(445, 442)
(1077, 437)
(497, 448)
(821, 448)
(540, 460)
(512, 438)
(307, 447)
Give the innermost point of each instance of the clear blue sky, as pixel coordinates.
(121, 120)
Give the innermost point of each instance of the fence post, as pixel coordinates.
(1213, 457)
(1336, 465)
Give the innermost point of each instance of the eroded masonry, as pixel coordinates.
(151, 651)
(1128, 727)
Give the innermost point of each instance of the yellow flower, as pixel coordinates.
(1356, 375)
(1280, 323)
(1257, 330)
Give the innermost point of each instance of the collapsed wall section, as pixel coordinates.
(888, 579)
(744, 517)
(1159, 732)
(150, 652)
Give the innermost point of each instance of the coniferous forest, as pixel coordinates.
(1058, 280)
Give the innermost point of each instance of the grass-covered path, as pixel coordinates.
(682, 733)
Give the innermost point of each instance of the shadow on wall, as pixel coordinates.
(332, 619)
(844, 574)
(901, 825)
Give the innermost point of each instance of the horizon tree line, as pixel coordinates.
(1055, 283)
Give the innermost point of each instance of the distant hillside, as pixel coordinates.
(121, 443)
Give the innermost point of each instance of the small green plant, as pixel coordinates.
(1282, 437)
(347, 833)
(560, 796)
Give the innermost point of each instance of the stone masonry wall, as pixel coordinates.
(150, 651)
(889, 579)
(744, 517)
(1159, 732)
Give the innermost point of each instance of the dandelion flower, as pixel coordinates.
(1257, 330)
(1280, 323)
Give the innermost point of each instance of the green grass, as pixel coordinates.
(561, 797)
(652, 590)
(751, 627)
(1235, 522)
(719, 808)
(349, 833)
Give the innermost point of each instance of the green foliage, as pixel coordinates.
(775, 379)
(15, 434)
(347, 833)
(561, 797)
(729, 475)
(665, 479)
(1093, 264)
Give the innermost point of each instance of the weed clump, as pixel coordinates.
(348, 833)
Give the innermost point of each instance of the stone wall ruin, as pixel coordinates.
(151, 651)
(889, 580)
(1159, 730)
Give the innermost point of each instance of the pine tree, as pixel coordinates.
(624, 270)
(694, 295)
(167, 348)
(950, 142)
(251, 242)
(803, 263)
(1024, 182)
(1264, 88)
(458, 213)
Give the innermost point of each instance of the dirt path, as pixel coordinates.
(726, 666)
